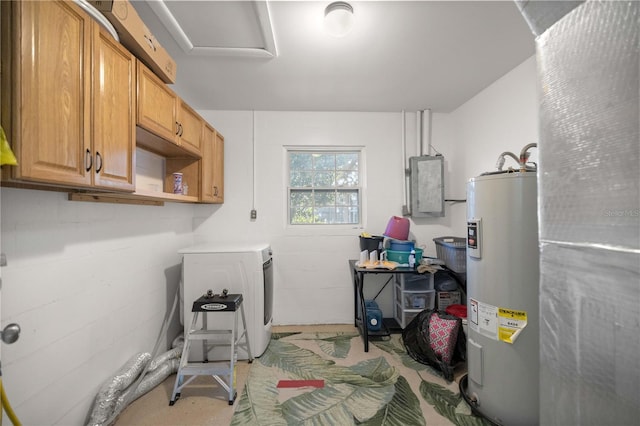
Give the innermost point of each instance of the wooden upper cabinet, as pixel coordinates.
(49, 87)
(157, 105)
(212, 167)
(70, 91)
(162, 113)
(76, 104)
(190, 127)
(207, 165)
(114, 100)
(218, 169)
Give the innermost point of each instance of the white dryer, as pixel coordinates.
(239, 268)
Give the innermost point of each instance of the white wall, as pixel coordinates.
(312, 278)
(90, 283)
(503, 117)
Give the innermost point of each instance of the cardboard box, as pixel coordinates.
(446, 298)
(135, 36)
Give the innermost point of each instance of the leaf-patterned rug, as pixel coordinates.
(381, 387)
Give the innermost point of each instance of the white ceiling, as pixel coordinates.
(413, 55)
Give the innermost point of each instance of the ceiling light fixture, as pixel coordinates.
(338, 18)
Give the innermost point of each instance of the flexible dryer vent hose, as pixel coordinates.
(116, 394)
(151, 380)
(110, 391)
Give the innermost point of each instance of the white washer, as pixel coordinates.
(239, 268)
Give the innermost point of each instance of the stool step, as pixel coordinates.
(205, 369)
(206, 334)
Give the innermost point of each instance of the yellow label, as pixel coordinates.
(505, 334)
(510, 324)
(513, 314)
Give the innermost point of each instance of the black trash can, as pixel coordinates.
(372, 243)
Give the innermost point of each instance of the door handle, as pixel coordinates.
(98, 165)
(10, 333)
(90, 157)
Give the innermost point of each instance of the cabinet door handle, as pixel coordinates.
(215, 190)
(181, 130)
(88, 155)
(98, 165)
(177, 129)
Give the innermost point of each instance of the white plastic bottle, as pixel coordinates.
(412, 259)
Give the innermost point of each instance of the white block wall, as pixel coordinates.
(89, 284)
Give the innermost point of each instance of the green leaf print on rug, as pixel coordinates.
(383, 387)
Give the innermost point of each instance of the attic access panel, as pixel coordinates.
(213, 28)
(427, 186)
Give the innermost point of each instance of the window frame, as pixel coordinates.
(360, 188)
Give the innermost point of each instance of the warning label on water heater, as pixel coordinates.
(496, 323)
(510, 324)
(484, 319)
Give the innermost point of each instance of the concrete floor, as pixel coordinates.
(204, 401)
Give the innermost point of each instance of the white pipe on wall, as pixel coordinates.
(253, 159)
(404, 160)
(425, 148)
(418, 132)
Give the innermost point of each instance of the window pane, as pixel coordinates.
(324, 162)
(324, 198)
(347, 215)
(347, 161)
(300, 161)
(301, 179)
(301, 198)
(346, 179)
(347, 198)
(324, 179)
(326, 215)
(301, 215)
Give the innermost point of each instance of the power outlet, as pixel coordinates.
(254, 214)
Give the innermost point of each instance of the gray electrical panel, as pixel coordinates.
(427, 186)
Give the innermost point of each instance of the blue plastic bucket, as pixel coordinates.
(399, 245)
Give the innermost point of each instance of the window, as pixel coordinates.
(324, 187)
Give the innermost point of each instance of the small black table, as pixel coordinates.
(360, 315)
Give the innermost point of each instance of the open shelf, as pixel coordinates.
(150, 198)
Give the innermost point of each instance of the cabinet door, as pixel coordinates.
(156, 105)
(207, 165)
(113, 113)
(190, 127)
(218, 169)
(51, 129)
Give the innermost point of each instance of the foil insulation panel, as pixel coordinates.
(589, 208)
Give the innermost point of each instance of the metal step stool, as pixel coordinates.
(212, 303)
